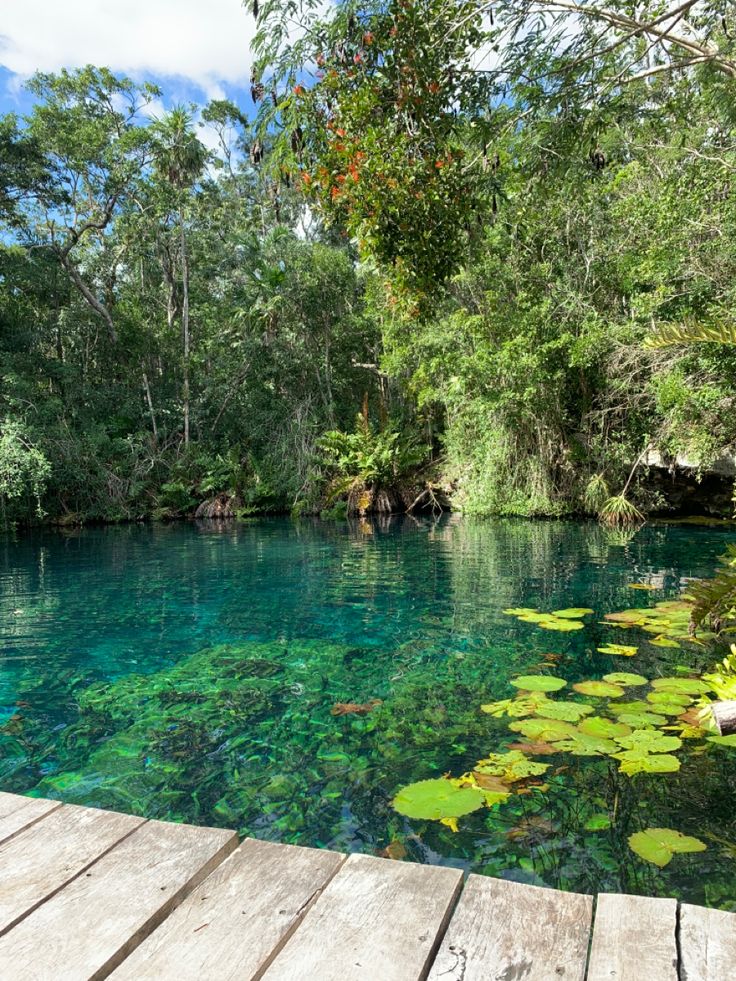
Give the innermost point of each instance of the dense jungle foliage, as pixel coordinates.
(437, 259)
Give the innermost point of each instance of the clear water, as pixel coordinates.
(190, 671)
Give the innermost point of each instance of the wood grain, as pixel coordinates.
(377, 919)
(235, 922)
(707, 944)
(40, 860)
(634, 939)
(87, 928)
(18, 813)
(503, 929)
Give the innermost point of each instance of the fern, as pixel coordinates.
(715, 599)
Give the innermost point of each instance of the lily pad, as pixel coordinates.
(625, 678)
(619, 650)
(432, 800)
(633, 763)
(582, 744)
(572, 613)
(564, 626)
(658, 845)
(642, 585)
(519, 611)
(604, 728)
(511, 766)
(567, 711)
(649, 741)
(640, 720)
(663, 641)
(544, 730)
(600, 689)
(538, 682)
(681, 686)
(723, 740)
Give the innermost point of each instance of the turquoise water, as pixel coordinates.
(191, 672)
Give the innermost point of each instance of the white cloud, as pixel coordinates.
(205, 42)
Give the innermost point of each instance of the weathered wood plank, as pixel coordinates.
(40, 860)
(88, 927)
(17, 813)
(707, 944)
(503, 929)
(634, 939)
(234, 923)
(376, 919)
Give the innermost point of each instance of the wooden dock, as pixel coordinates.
(88, 894)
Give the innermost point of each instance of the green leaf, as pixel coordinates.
(512, 766)
(567, 711)
(649, 741)
(663, 641)
(582, 744)
(564, 626)
(723, 740)
(433, 800)
(573, 613)
(681, 686)
(641, 720)
(544, 730)
(658, 845)
(600, 689)
(604, 728)
(538, 682)
(622, 650)
(633, 763)
(625, 678)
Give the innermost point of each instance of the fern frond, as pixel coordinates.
(691, 333)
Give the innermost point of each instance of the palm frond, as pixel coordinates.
(691, 333)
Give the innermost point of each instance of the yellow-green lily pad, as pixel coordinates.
(619, 650)
(572, 613)
(599, 689)
(658, 845)
(538, 682)
(432, 800)
(625, 678)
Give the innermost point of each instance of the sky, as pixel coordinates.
(195, 50)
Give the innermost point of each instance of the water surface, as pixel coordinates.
(190, 672)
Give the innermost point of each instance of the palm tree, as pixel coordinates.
(179, 159)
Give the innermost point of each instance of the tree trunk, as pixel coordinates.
(89, 296)
(149, 400)
(724, 715)
(185, 326)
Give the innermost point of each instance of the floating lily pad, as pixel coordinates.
(544, 730)
(625, 678)
(658, 845)
(723, 740)
(600, 689)
(432, 800)
(640, 720)
(538, 682)
(620, 650)
(573, 613)
(664, 642)
(520, 611)
(564, 626)
(673, 697)
(633, 763)
(638, 706)
(649, 741)
(510, 766)
(567, 711)
(681, 686)
(642, 585)
(604, 728)
(582, 744)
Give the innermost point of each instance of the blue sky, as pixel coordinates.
(194, 50)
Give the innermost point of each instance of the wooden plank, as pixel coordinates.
(634, 939)
(503, 929)
(17, 813)
(40, 860)
(376, 919)
(707, 944)
(87, 928)
(235, 922)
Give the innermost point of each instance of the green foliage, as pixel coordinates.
(24, 470)
(715, 599)
(659, 845)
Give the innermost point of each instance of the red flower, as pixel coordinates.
(299, 90)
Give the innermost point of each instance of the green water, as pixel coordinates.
(189, 672)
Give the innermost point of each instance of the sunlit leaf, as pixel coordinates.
(723, 740)
(510, 766)
(625, 678)
(567, 711)
(604, 728)
(642, 585)
(538, 682)
(649, 741)
(658, 845)
(545, 730)
(681, 686)
(560, 624)
(433, 800)
(573, 613)
(620, 650)
(600, 689)
(642, 719)
(664, 642)
(582, 744)
(633, 763)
